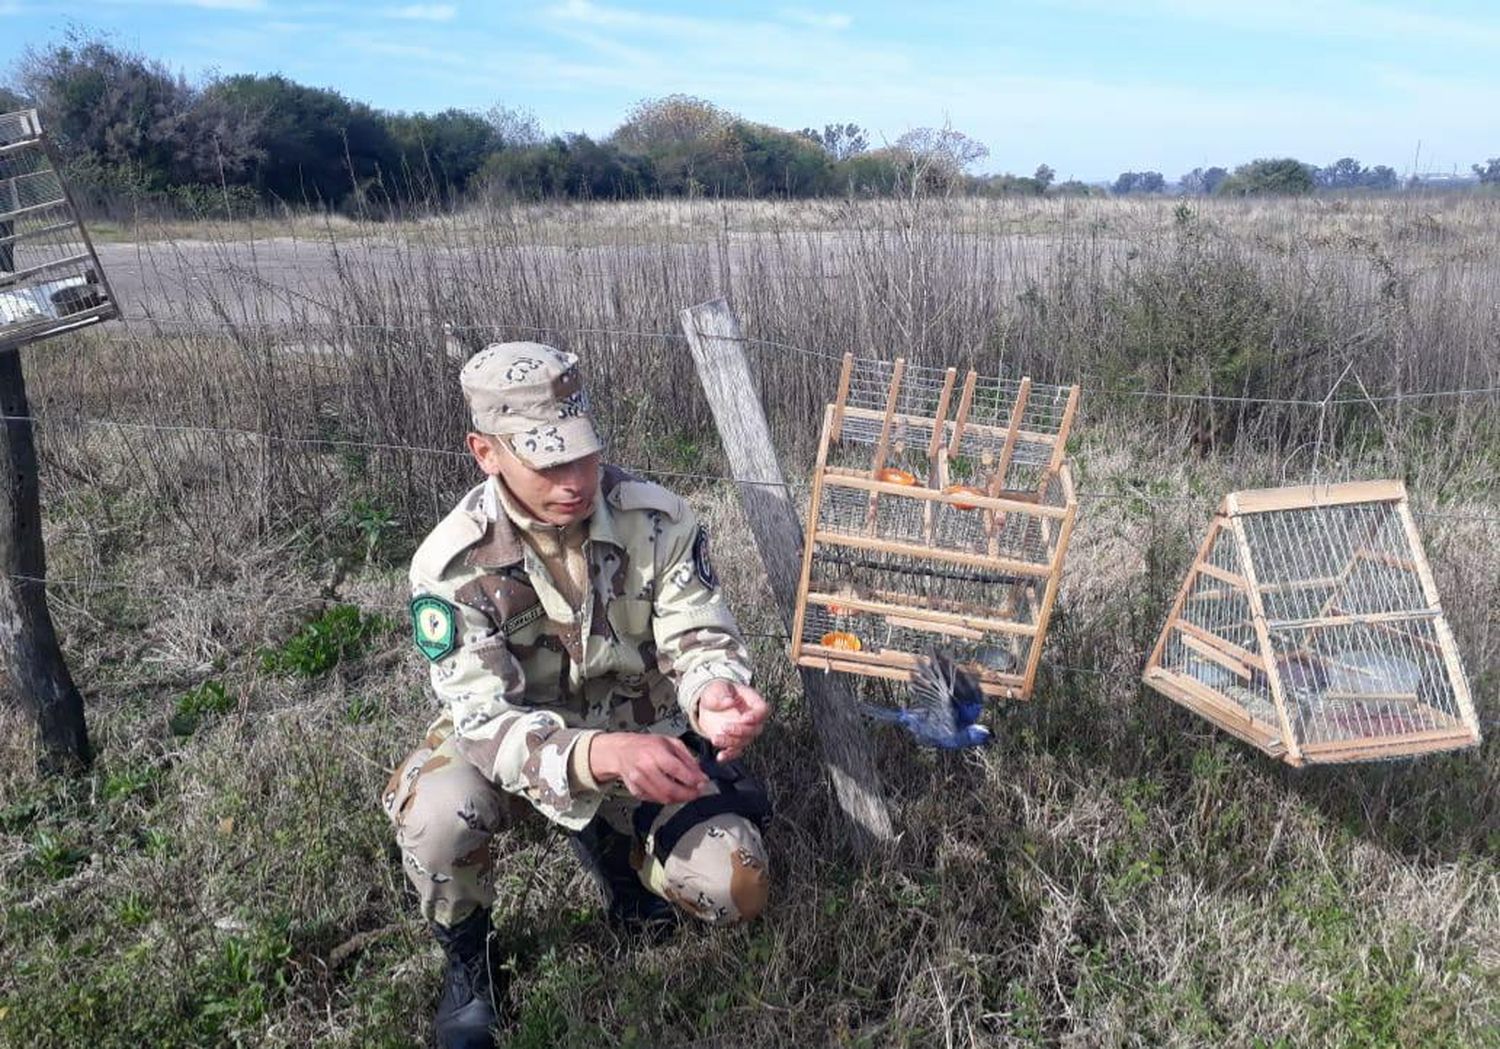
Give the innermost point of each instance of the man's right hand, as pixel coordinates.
(653, 768)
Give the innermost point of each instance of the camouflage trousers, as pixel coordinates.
(445, 814)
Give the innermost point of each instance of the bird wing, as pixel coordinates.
(932, 696)
(884, 713)
(968, 701)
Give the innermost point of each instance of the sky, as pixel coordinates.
(1089, 87)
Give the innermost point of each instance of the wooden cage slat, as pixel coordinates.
(1376, 746)
(16, 276)
(898, 659)
(1408, 698)
(839, 478)
(1425, 615)
(1213, 699)
(1456, 677)
(1293, 585)
(30, 209)
(994, 519)
(936, 627)
(1044, 613)
(1008, 449)
(883, 445)
(1239, 582)
(891, 611)
(997, 690)
(1229, 648)
(1217, 710)
(1174, 616)
(1024, 437)
(1263, 634)
(1216, 655)
(965, 403)
(840, 402)
(1306, 497)
(40, 231)
(940, 418)
(813, 509)
(1065, 427)
(1389, 560)
(888, 546)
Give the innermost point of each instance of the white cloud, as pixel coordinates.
(423, 12)
(817, 19)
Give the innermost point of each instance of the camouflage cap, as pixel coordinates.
(533, 396)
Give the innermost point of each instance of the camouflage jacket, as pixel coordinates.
(526, 677)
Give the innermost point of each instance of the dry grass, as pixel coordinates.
(1112, 872)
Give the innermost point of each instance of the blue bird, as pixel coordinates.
(945, 707)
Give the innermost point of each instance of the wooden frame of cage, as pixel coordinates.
(1278, 738)
(943, 619)
(50, 218)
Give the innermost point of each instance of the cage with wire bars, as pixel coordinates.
(939, 517)
(50, 278)
(1309, 626)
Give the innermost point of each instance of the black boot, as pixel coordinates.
(629, 905)
(466, 1012)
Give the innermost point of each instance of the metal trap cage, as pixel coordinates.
(50, 279)
(1310, 626)
(940, 515)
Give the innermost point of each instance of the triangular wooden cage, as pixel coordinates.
(1310, 626)
(939, 517)
(50, 278)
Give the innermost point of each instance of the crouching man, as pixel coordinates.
(581, 646)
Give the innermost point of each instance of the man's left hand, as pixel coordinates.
(730, 716)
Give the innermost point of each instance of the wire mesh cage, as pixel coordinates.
(940, 516)
(1310, 626)
(50, 279)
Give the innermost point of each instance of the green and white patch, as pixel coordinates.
(434, 624)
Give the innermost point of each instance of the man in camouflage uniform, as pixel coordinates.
(589, 667)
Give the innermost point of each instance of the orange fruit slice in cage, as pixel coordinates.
(963, 489)
(891, 475)
(841, 639)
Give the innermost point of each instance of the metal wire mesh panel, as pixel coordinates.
(50, 280)
(940, 517)
(1310, 625)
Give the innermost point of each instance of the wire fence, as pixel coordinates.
(302, 333)
(648, 472)
(302, 330)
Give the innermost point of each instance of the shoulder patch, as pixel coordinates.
(634, 494)
(434, 626)
(701, 561)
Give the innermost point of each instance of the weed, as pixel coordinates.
(342, 632)
(375, 524)
(209, 698)
(55, 856)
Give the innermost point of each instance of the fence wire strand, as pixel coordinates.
(440, 330)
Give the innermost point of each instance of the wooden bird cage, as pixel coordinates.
(50, 279)
(940, 516)
(1309, 626)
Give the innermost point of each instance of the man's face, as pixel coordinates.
(557, 495)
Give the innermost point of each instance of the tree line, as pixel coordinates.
(131, 130)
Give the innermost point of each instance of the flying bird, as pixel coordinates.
(945, 707)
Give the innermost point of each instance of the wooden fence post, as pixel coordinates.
(718, 352)
(32, 670)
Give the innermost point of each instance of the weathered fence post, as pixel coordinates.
(718, 352)
(32, 670)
